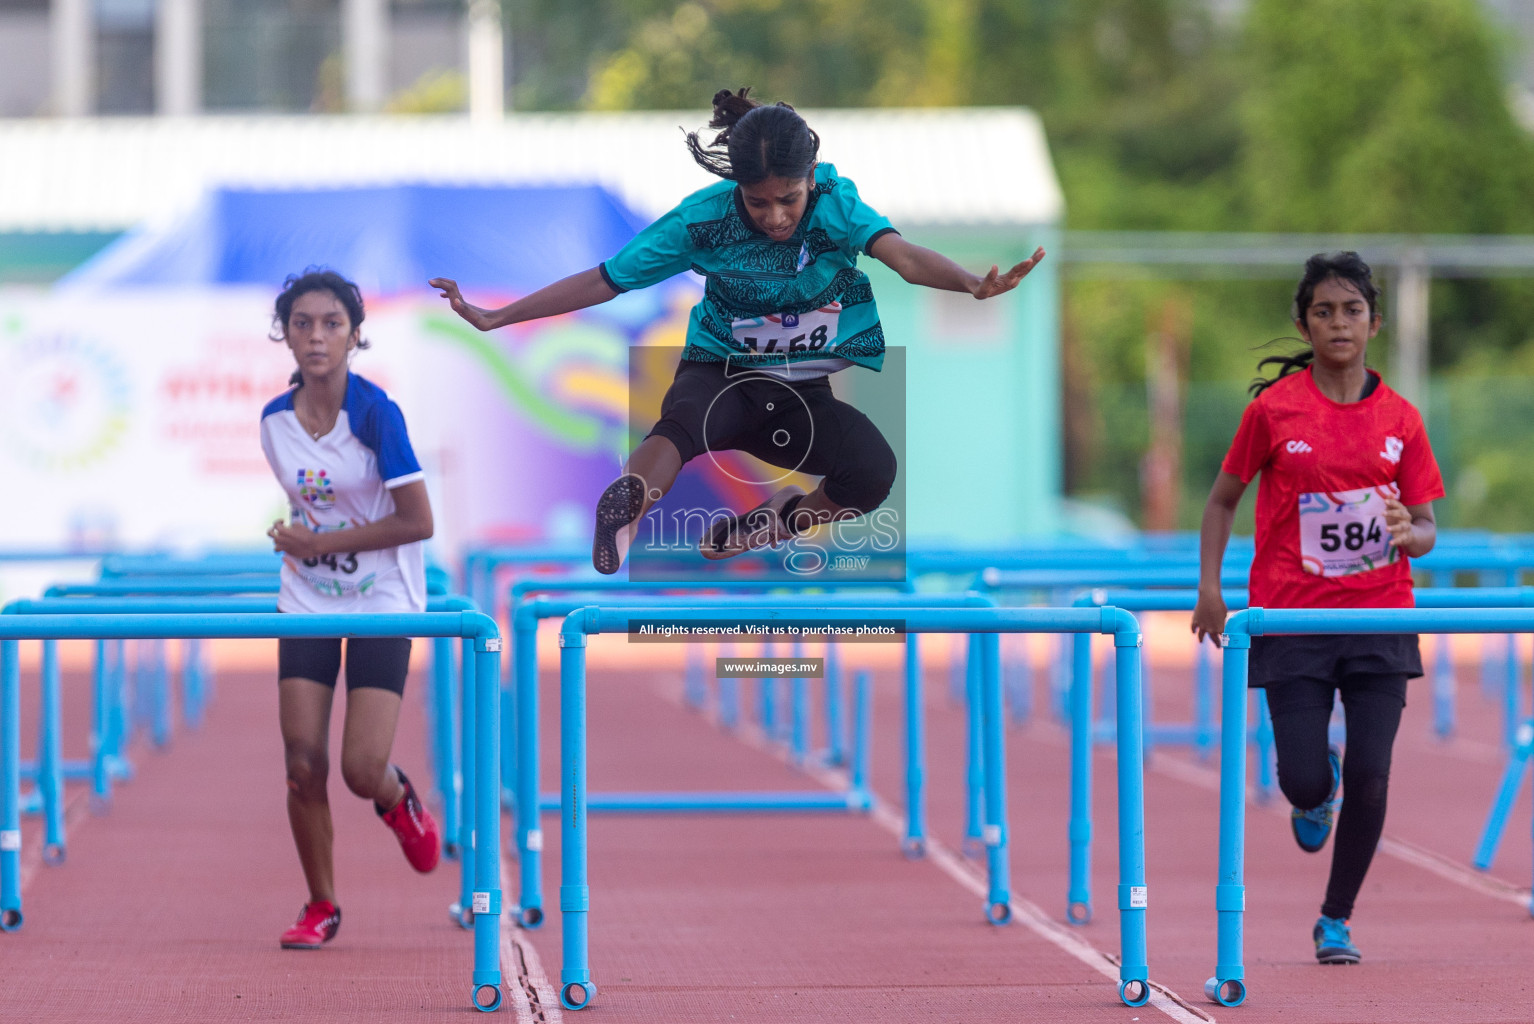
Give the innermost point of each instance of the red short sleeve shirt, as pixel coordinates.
(1326, 470)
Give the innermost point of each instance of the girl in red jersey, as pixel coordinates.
(1348, 481)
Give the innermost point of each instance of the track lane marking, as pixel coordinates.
(522, 974)
(1029, 914)
(74, 809)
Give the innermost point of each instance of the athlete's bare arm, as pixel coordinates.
(411, 521)
(578, 291)
(1213, 535)
(920, 265)
(1412, 527)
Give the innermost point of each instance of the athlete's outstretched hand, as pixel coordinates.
(1209, 616)
(1398, 520)
(448, 288)
(293, 539)
(996, 282)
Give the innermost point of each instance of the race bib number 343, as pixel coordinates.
(1343, 532)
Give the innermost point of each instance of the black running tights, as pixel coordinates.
(1302, 711)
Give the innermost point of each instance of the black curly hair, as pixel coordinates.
(316, 279)
(755, 141)
(1347, 267)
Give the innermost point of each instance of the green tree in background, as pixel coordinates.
(1377, 117)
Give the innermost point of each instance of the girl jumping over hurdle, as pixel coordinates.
(1348, 481)
(338, 447)
(784, 306)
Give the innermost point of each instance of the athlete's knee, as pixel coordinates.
(867, 476)
(308, 770)
(1304, 789)
(363, 773)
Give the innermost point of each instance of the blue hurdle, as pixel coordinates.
(522, 590)
(528, 833)
(479, 628)
(576, 986)
(52, 770)
(1079, 892)
(1228, 985)
(212, 563)
(480, 566)
(212, 584)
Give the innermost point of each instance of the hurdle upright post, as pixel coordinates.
(575, 987)
(487, 819)
(529, 833)
(444, 754)
(1078, 899)
(998, 908)
(101, 727)
(50, 756)
(974, 749)
(915, 843)
(1228, 986)
(1134, 972)
(10, 785)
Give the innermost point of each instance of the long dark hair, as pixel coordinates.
(316, 279)
(755, 142)
(1348, 267)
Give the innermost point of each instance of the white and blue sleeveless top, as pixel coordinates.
(338, 482)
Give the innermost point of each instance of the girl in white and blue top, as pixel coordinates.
(339, 448)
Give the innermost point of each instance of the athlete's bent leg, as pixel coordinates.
(647, 476)
(367, 737)
(1301, 710)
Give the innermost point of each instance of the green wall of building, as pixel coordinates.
(983, 435)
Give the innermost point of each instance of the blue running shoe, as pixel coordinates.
(1312, 827)
(1334, 943)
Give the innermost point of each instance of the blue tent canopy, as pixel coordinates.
(389, 240)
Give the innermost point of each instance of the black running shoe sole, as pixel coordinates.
(618, 506)
(1336, 956)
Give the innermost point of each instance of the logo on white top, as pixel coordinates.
(1298, 447)
(1394, 446)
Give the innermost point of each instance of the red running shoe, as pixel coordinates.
(415, 828)
(317, 924)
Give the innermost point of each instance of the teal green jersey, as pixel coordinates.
(801, 302)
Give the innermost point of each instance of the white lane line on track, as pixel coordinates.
(1024, 911)
(522, 972)
(74, 809)
(1400, 849)
(532, 995)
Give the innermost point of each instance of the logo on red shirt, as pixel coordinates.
(1393, 449)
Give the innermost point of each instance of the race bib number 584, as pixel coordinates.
(1343, 532)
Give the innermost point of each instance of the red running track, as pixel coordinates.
(170, 906)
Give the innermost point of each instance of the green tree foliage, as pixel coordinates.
(1379, 117)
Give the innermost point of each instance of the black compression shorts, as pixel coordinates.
(797, 425)
(379, 662)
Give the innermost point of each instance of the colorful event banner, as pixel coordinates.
(130, 416)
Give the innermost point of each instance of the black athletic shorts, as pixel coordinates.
(792, 424)
(381, 662)
(1333, 657)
